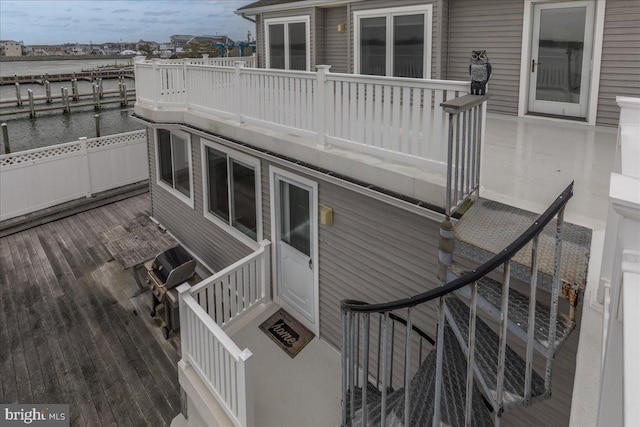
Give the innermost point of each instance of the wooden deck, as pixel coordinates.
(75, 328)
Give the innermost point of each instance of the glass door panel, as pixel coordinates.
(297, 46)
(295, 226)
(408, 46)
(373, 46)
(276, 46)
(560, 54)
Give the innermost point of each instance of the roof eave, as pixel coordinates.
(295, 5)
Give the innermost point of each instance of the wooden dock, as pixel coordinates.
(35, 104)
(75, 328)
(90, 76)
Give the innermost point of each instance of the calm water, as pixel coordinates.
(54, 127)
(22, 68)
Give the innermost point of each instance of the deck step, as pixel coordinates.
(486, 360)
(423, 390)
(489, 301)
(488, 227)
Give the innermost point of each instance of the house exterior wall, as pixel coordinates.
(336, 46)
(620, 69)
(372, 251)
(213, 245)
(496, 26)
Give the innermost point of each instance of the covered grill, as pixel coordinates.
(169, 269)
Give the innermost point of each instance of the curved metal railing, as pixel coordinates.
(356, 328)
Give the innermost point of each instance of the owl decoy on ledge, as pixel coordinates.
(480, 71)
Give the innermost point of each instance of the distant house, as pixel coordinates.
(10, 48)
(180, 40)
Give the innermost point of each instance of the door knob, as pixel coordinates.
(310, 263)
(533, 65)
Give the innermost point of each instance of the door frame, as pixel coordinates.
(596, 56)
(275, 259)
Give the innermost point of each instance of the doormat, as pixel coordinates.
(287, 332)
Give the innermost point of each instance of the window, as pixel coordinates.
(232, 189)
(287, 42)
(174, 163)
(394, 42)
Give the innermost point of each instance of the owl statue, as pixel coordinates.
(480, 71)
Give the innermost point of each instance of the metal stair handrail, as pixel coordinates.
(355, 359)
(472, 276)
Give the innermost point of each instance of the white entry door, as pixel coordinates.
(561, 48)
(295, 236)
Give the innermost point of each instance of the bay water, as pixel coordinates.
(54, 127)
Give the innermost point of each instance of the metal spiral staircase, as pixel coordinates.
(493, 350)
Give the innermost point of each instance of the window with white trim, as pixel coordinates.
(394, 42)
(232, 188)
(173, 152)
(287, 43)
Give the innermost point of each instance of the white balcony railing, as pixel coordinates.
(44, 177)
(619, 289)
(212, 306)
(393, 118)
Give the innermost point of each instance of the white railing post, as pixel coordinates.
(184, 83)
(85, 167)
(239, 89)
(245, 389)
(157, 81)
(321, 124)
(265, 270)
(183, 292)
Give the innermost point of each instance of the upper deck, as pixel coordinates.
(386, 131)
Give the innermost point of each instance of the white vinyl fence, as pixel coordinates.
(44, 177)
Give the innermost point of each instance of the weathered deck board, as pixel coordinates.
(74, 327)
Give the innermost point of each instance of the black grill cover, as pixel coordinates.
(169, 260)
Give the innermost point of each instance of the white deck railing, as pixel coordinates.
(44, 177)
(232, 291)
(212, 306)
(619, 289)
(393, 118)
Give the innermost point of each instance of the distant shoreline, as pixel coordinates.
(63, 58)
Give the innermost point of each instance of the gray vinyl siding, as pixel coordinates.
(336, 47)
(214, 246)
(620, 66)
(321, 41)
(260, 41)
(496, 26)
(372, 252)
(443, 23)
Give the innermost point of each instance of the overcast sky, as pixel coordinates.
(100, 21)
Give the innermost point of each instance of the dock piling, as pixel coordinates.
(18, 96)
(47, 88)
(124, 93)
(96, 96)
(97, 117)
(65, 100)
(32, 107)
(101, 90)
(74, 88)
(5, 139)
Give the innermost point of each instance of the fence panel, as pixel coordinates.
(41, 178)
